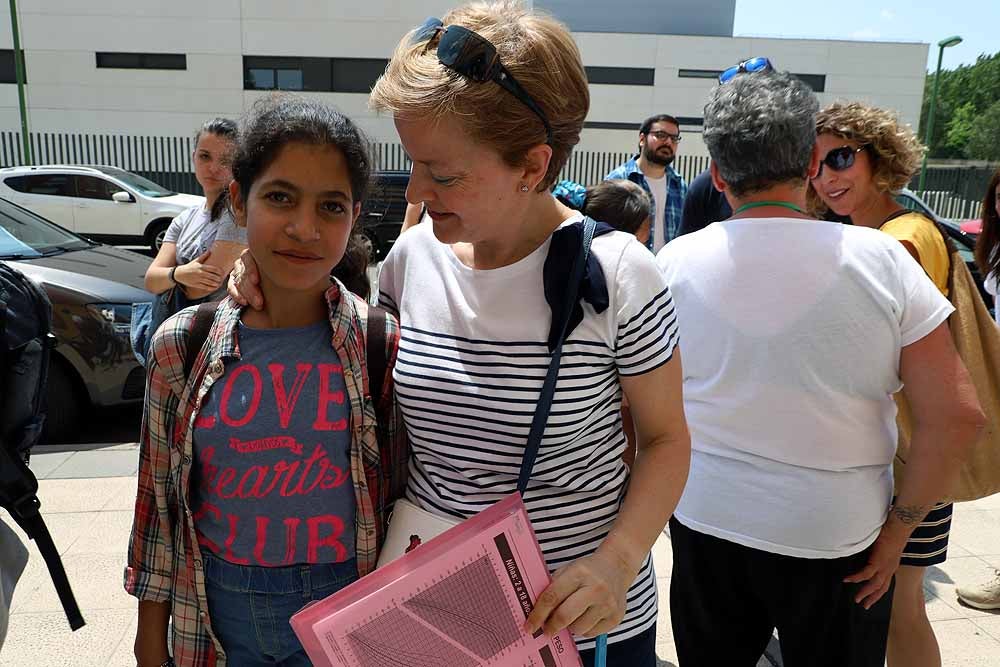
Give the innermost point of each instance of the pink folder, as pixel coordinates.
(459, 600)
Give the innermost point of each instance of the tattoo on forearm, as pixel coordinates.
(911, 514)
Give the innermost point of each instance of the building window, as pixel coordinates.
(621, 76)
(685, 121)
(326, 75)
(699, 73)
(7, 72)
(284, 73)
(141, 60)
(356, 75)
(815, 81)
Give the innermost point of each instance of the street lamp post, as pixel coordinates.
(942, 45)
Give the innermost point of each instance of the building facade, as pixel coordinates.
(149, 67)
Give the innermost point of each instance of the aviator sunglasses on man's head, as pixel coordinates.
(475, 58)
(759, 64)
(840, 159)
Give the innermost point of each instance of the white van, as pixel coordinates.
(106, 204)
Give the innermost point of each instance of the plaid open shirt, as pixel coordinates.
(164, 561)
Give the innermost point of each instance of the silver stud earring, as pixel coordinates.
(524, 188)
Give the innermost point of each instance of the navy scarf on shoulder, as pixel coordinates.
(566, 245)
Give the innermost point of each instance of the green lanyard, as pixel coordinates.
(758, 204)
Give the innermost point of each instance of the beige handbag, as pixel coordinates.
(977, 339)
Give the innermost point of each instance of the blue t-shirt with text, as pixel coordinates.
(272, 479)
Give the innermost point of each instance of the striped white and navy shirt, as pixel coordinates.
(472, 359)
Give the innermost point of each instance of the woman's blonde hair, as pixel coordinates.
(540, 54)
(893, 147)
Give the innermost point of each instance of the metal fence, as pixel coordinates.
(165, 160)
(954, 192)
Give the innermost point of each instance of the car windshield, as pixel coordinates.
(24, 235)
(143, 185)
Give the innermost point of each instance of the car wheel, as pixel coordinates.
(156, 233)
(65, 404)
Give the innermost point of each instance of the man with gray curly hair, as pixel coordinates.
(800, 331)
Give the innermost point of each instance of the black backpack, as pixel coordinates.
(25, 343)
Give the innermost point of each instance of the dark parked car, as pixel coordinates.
(382, 213)
(963, 240)
(92, 288)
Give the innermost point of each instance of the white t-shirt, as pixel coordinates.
(794, 331)
(471, 362)
(658, 186)
(194, 233)
(992, 285)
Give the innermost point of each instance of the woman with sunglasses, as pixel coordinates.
(488, 103)
(867, 156)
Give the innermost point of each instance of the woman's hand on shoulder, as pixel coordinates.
(587, 596)
(244, 282)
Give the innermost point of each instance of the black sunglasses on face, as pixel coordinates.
(840, 159)
(475, 58)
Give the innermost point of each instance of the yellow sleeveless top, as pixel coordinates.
(925, 237)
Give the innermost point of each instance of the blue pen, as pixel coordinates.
(601, 651)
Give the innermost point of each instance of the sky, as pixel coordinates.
(976, 21)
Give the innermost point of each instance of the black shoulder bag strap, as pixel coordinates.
(19, 493)
(375, 352)
(541, 417)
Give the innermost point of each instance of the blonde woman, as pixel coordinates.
(488, 102)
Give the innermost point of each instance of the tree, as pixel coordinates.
(964, 96)
(984, 138)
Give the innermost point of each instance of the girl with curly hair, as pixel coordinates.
(868, 156)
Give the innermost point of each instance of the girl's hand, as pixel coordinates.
(587, 596)
(244, 282)
(200, 276)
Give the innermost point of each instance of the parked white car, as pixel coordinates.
(106, 204)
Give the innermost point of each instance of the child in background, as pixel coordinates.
(622, 204)
(627, 207)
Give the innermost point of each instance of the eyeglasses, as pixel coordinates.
(663, 136)
(759, 64)
(475, 58)
(840, 159)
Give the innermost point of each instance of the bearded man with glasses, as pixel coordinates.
(659, 139)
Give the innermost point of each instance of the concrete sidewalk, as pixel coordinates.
(87, 498)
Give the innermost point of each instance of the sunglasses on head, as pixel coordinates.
(759, 64)
(840, 159)
(475, 58)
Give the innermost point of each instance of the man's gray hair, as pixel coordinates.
(760, 129)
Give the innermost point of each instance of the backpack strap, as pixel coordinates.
(375, 352)
(203, 318)
(18, 495)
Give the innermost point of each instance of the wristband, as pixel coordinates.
(170, 275)
(169, 662)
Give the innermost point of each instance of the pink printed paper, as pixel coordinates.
(459, 600)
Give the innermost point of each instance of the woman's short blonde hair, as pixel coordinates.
(537, 50)
(893, 146)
